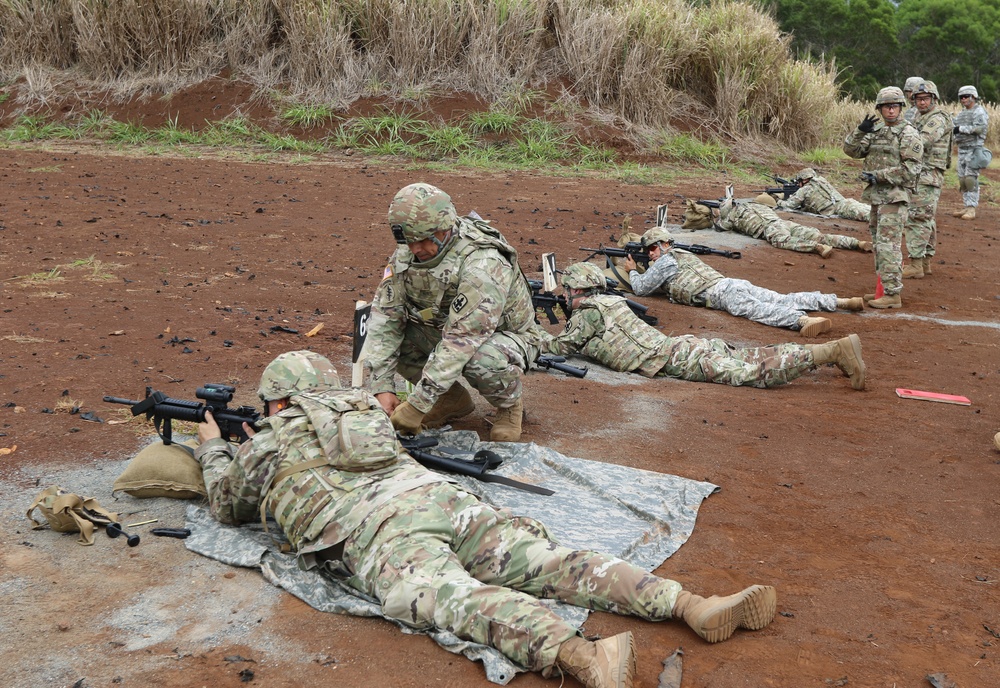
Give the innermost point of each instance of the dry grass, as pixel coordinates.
(23, 339)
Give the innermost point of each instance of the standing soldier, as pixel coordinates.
(909, 86)
(453, 304)
(970, 127)
(817, 195)
(892, 152)
(934, 126)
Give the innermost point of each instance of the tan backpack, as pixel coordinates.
(70, 513)
(697, 216)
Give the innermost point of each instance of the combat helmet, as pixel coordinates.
(968, 91)
(927, 87)
(656, 235)
(766, 199)
(890, 95)
(583, 276)
(419, 210)
(912, 83)
(295, 372)
(806, 173)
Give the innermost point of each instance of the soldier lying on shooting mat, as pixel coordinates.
(688, 280)
(817, 195)
(327, 464)
(453, 303)
(758, 220)
(603, 328)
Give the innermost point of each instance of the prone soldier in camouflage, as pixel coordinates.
(603, 327)
(454, 303)
(970, 127)
(758, 220)
(935, 129)
(326, 463)
(909, 86)
(688, 280)
(817, 195)
(892, 152)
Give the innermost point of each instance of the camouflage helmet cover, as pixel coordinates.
(419, 210)
(890, 95)
(583, 276)
(766, 199)
(912, 83)
(968, 91)
(656, 235)
(295, 372)
(806, 173)
(927, 87)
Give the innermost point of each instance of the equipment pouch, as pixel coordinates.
(69, 513)
(367, 441)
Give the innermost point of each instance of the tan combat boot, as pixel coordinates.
(969, 214)
(927, 264)
(507, 427)
(823, 250)
(717, 618)
(887, 301)
(845, 353)
(960, 212)
(607, 663)
(853, 304)
(810, 327)
(915, 270)
(451, 405)
(866, 246)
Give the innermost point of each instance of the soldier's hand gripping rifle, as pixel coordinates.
(547, 301)
(787, 189)
(161, 409)
(633, 248)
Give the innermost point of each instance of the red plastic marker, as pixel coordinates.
(879, 291)
(933, 396)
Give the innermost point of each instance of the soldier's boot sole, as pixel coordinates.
(812, 327)
(849, 360)
(717, 618)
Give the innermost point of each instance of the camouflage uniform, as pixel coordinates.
(935, 129)
(467, 312)
(604, 328)
(819, 196)
(893, 154)
(972, 123)
(761, 222)
(688, 280)
(430, 553)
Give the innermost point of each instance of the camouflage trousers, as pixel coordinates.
(851, 209)
(886, 225)
(968, 177)
(921, 229)
(443, 559)
(795, 237)
(715, 360)
(494, 370)
(745, 300)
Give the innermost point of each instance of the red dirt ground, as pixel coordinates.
(874, 516)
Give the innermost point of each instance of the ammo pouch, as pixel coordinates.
(69, 513)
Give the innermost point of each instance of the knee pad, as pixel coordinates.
(968, 183)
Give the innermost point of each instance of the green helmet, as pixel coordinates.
(584, 276)
(806, 173)
(927, 87)
(912, 83)
(296, 372)
(968, 91)
(656, 235)
(890, 95)
(419, 210)
(766, 199)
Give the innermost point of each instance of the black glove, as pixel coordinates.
(868, 177)
(955, 130)
(868, 124)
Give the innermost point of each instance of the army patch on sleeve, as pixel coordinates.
(460, 302)
(387, 273)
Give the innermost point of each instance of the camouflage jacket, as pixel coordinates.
(893, 154)
(471, 289)
(356, 466)
(748, 218)
(681, 275)
(935, 129)
(972, 123)
(817, 196)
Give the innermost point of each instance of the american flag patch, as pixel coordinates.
(388, 272)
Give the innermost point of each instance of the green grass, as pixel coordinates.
(683, 148)
(493, 122)
(4, 96)
(823, 156)
(307, 116)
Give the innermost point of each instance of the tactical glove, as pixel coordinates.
(868, 177)
(955, 130)
(407, 419)
(867, 125)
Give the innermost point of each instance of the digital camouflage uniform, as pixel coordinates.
(972, 123)
(893, 154)
(604, 328)
(467, 312)
(819, 196)
(430, 553)
(688, 280)
(761, 222)
(935, 129)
